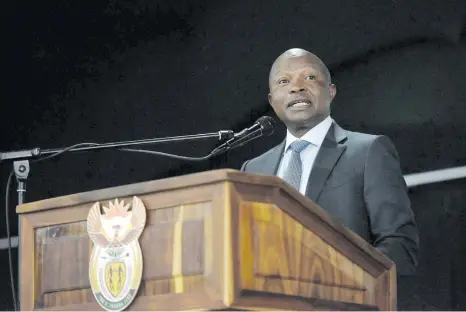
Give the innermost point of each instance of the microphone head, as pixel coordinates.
(267, 125)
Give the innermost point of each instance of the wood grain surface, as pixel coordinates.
(214, 240)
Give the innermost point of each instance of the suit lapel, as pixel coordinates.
(272, 161)
(327, 157)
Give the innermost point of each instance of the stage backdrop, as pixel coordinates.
(122, 70)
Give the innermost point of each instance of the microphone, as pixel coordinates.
(264, 126)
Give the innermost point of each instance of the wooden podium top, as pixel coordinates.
(207, 177)
(212, 240)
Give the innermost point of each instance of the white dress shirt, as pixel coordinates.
(315, 136)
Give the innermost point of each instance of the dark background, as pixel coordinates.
(101, 71)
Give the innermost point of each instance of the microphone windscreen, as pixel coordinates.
(267, 124)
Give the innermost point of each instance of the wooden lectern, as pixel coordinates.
(214, 240)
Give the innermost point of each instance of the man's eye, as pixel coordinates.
(311, 77)
(283, 81)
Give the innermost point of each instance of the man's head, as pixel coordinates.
(301, 90)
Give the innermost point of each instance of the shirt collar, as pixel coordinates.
(315, 136)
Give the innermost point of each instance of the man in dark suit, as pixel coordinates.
(355, 177)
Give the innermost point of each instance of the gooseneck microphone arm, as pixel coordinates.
(36, 152)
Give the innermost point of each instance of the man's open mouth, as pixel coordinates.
(300, 103)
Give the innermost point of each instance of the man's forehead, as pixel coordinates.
(292, 67)
(286, 63)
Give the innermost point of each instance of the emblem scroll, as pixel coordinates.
(115, 268)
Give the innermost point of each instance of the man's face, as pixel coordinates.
(300, 91)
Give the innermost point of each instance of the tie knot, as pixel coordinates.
(299, 145)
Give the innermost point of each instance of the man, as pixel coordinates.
(355, 177)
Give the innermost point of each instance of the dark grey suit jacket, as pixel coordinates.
(357, 179)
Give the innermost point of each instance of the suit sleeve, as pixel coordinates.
(393, 227)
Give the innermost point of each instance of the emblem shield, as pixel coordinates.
(115, 268)
(115, 277)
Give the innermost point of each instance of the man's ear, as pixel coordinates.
(270, 98)
(333, 91)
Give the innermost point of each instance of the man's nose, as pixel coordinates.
(296, 88)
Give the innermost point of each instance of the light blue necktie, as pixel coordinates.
(294, 169)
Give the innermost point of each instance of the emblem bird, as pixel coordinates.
(117, 225)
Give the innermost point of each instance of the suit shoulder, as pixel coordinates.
(370, 143)
(361, 138)
(264, 155)
(254, 163)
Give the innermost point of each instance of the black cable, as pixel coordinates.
(143, 151)
(8, 233)
(63, 151)
(169, 155)
(10, 257)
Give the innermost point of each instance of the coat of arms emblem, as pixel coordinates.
(115, 268)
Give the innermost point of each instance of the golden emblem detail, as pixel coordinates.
(115, 268)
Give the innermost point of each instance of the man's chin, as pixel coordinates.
(299, 118)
